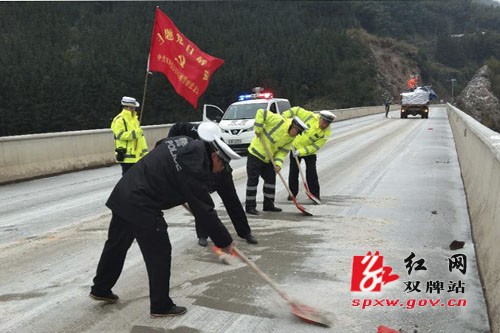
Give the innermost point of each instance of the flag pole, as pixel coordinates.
(144, 93)
(143, 96)
(146, 78)
(145, 84)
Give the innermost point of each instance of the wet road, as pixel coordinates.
(388, 185)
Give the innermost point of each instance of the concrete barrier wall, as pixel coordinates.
(478, 151)
(25, 157)
(343, 114)
(29, 156)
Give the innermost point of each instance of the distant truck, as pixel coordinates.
(417, 102)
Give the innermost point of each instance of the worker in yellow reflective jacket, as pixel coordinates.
(307, 145)
(278, 133)
(130, 143)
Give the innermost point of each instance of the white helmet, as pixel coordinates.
(211, 132)
(129, 101)
(327, 115)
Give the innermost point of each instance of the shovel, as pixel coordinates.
(306, 187)
(304, 312)
(299, 206)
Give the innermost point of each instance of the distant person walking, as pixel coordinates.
(387, 105)
(130, 143)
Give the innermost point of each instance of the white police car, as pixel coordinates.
(238, 120)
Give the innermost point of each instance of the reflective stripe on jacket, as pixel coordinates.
(128, 134)
(273, 128)
(314, 138)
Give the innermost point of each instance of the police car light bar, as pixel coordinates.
(265, 95)
(245, 97)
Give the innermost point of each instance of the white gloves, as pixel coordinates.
(295, 153)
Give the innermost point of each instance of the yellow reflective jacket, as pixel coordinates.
(273, 128)
(314, 138)
(128, 134)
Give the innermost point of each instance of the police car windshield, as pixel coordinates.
(243, 111)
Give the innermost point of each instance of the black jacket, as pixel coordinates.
(175, 172)
(221, 182)
(191, 130)
(188, 129)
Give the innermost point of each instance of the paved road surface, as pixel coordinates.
(388, 185)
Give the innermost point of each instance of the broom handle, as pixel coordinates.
(261, 273)
(268, 153)
(300, 169)
(304, 179)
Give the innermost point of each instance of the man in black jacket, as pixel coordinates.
(224, 185)
(175, 172)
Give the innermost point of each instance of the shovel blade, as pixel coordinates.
(310, 315)
(310, 195)
(313, 198)
(304, 211)
(300, 207)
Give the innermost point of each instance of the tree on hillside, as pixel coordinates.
(65, 65)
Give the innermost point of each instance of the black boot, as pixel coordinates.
(272, 209)
(252, 211)
(251, 239)
(202, 241)
(172, 312)
(106, 297)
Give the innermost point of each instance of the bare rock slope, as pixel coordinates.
(479, 102)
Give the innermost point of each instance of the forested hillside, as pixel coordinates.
(65, 65)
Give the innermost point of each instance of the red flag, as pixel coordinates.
(188, 68)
